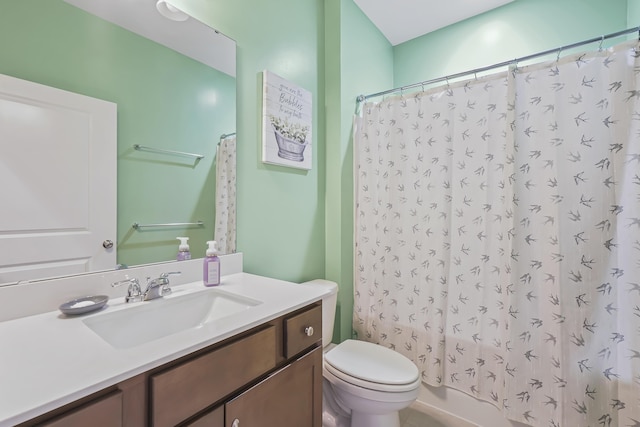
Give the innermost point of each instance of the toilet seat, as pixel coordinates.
(372, 366)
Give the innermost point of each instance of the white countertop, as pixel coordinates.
(48, 360)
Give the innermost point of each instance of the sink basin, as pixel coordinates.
(162, 317)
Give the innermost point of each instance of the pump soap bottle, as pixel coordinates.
(183, 249)
(211, 271)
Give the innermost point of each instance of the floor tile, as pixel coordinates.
(411, 418)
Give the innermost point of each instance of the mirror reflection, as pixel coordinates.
(167, 101)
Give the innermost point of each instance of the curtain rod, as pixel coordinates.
(601, 39)
(225, 136)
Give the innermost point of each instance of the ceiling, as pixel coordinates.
(191, 37)
(403, 20)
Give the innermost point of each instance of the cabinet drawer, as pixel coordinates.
(302, 330)
(103, 412)
(186, 389)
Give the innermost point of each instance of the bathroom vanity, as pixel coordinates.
(253, 364)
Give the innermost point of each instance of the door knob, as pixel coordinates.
(235, 423)
(308, 331)
(107, 244)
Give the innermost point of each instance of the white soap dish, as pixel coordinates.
(84, 304)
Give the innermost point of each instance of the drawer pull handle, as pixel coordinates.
(235, 423)
(308, 331)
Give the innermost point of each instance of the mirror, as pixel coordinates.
(126, 52)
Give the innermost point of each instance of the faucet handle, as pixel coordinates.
(134, 293)
(171, 273)
(166, 290)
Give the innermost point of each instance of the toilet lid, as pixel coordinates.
(372, 363)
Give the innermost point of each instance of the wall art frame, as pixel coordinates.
(286, 123)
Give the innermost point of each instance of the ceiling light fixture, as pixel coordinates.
(171, 12)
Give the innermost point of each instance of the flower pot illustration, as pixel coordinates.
(291, 139)
(290, 149)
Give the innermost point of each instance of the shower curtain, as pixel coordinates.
(225, 231)
(498, 237)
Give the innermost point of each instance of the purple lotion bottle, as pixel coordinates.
(211, 270)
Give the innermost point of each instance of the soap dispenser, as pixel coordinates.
(211, 271)
(183, 249)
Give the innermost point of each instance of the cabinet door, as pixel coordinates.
(214, 418)
(182, 391)
(104, 412)
(291, 397)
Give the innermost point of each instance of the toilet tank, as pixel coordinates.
(329, 302)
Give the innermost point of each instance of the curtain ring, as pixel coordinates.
(475, 74)
(559, 52)
(601, 41)
(422, 84)
(447, 79)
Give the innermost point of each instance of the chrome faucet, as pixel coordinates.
(134, 293)
(158, 287)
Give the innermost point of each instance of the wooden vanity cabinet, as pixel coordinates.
(268, 376)
(122, 405)
(184, 390)
(103, 412)
(290, 395)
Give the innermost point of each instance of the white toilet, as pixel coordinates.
(365, 384)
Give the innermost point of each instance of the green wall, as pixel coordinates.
(161, 103)
(281, 211)
(517, 29)
(359, 60)
(633, 13)
(298, 225)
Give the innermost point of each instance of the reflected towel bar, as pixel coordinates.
(160, 150)
(137, 226)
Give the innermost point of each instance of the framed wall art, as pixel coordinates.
(286, 123)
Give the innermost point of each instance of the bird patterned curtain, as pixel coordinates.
(225, 231)
(498, 237)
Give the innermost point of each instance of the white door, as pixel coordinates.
(57, 181)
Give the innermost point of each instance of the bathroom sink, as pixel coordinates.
(151, 320)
